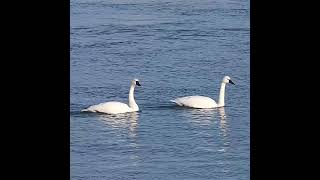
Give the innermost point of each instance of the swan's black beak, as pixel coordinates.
(137, 83)
(231, 82)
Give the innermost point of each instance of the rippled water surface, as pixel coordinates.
(175, 48)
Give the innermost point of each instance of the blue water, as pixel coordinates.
(175, 48)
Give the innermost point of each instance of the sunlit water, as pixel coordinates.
(176, 48)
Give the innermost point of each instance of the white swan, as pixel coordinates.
(202, 101)
(114, 107)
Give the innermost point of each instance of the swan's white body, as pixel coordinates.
(111, 107)
(202, 101)
(114, 107)
(196, 102)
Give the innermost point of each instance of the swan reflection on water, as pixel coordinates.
(127, 124)
(207, 116)
(200, 116)
(125, 120)
(223, 126)
(215, 118)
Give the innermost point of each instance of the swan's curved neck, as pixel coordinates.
(132, 103)
(221, 95)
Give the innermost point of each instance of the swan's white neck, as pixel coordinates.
(132, 103)
(221, 95)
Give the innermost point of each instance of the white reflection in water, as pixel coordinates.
(224, 129)
(213, 118)
(200, 116)
(125, 120)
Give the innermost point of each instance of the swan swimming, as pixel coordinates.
(202, 101)
(114, 107)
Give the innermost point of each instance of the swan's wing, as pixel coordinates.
(195, 102)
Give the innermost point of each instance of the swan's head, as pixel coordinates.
(136, 82)
(227, 79)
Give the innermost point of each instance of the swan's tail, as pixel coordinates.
(177, 102)
(86, 110)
